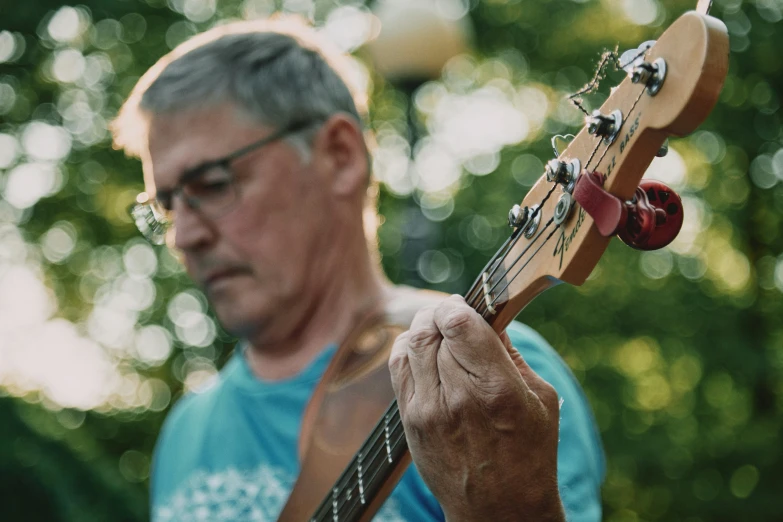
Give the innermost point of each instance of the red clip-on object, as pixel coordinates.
(648, 222)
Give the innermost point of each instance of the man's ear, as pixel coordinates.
(340, 151)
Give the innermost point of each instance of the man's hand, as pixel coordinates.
(482, 427)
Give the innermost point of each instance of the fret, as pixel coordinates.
(386, 434)
(335, 495)
(361, 483)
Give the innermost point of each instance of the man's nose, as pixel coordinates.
(192, 230)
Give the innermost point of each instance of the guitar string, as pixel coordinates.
(401, 440)
(630, 111)
(522, 254)
(527, 262)
(395, 442)
(592, 154)
(349, 481)
(519, 235)
(371, 445)
(351, 471)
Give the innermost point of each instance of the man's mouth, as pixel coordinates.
(219, 276)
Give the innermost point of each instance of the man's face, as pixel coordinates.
(257, 259)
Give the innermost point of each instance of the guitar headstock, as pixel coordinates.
(673, 91)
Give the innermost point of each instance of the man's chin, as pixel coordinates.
(243, 326)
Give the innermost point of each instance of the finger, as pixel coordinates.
(422, 348)
(543, 390)
(475, 346)
(399, 369)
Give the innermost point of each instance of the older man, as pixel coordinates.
(257, 171)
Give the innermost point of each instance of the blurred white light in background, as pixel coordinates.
(534, 103)
(526, 169)
(68, 65)
(349, 26)
(779, 273)
(65, 25)
(252, 9)
(139, 291)
(113, 318)
(710, 144)
(434, 266)
(436, 207)
(72, 371)
(42, 141)
(139, 259)
(777, 164)
(7, 97)
(13, 249)
(483, 164)
(452, 9)
(152, 344)
(183, 302)
(25, 302)
(98, 69)
(698, 218)
(481, 122)
(200, 374)
(641, 12)
(29, 182)
(436, 168)
(58, 242)
(9, 150)
(106, 33)
(195, 329)
(669, 169)
(199, 10)
(762, 171)
(156, 394)
(391, 163)
(656, 264)
(7, 46)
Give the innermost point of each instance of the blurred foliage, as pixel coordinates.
(680, 351)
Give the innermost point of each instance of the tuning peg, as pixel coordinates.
(653, 218)
(629, 58)
(664, 150)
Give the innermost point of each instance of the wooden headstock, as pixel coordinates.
(695, 50)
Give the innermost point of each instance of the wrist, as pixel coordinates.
(532, 507)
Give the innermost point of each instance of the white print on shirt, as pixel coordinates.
(256, 495)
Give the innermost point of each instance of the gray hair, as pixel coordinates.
(275, 70)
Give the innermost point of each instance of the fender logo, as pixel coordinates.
(564, 242)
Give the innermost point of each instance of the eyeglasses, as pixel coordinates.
(209, 188)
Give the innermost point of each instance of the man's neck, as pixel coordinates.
(352, 291)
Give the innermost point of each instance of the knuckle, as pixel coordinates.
(397, 361)
(549, 397)
(458, 322)
(499, 398)
(420, 421)
(422, 339)
(459, 402)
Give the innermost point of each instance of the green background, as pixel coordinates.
(679, 351)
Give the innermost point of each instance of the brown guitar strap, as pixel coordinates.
(350, 399)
